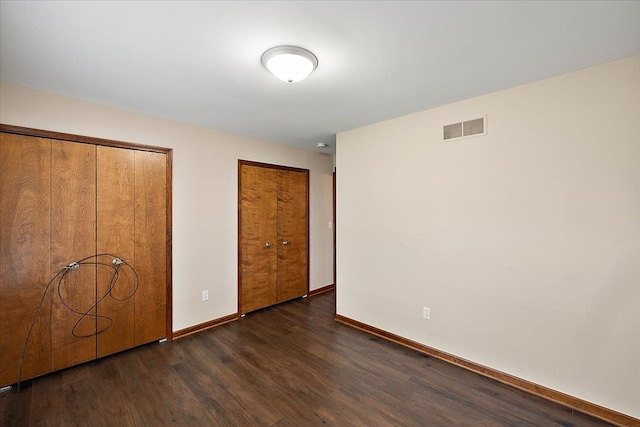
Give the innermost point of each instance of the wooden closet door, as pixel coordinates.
(151, 246)
(258, 237)
(115, 236)
(25, 263)
(78, 199)
(292, 234)
(73, 237)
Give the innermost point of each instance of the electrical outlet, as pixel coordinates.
(205, 295)
(426, 313)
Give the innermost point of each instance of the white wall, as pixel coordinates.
(525, 243)
(205, 191)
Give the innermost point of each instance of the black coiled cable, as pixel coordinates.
(96, 260)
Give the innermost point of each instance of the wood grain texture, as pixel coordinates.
(150, 246)
(258, 226)
(115, 235)
(169, 241)
(273, 201)
(288, 365)
(293, 221)
(73, 237)
(536, 389)
(41, 133)
(49, 204)
(24, 254)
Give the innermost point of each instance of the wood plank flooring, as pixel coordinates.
(288, 365)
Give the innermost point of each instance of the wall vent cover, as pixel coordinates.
(471, 127)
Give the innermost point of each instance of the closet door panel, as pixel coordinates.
(25, 264)
(73, 237)
(150, 246)
(292, 234)
(115, 236)
(258, 263)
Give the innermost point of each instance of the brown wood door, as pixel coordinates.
(273, 235)
(25, 260)
(292, 234)
(115, 236)
(73, 237)
(258, 237)
(151, 246)
(64, 201)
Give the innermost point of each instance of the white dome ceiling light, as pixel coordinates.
(290, 64)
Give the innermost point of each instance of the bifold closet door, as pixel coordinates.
(258, 237)
(115, 200)
(273, 227)
(73, 237)
(25, 258)
(132, 226)
(292, 234)
(62, 202)
(151, 246)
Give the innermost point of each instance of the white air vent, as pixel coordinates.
(472, 127)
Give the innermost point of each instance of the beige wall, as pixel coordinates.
(204, 191)
(525, 243)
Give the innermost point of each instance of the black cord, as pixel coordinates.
(24, 346)
(115, 264)
(109, 293)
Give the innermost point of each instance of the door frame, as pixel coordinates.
(335, 249)
(40, 133)
(277, 167)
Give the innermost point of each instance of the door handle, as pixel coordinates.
(286, 242)
(267, 245)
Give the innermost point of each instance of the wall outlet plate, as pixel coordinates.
(205, 295)
(426, 313)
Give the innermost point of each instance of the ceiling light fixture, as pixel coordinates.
(321, 145)
(289, 63)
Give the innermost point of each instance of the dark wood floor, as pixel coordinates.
(289, 365)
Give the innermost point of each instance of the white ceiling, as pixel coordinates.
(199, 61)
